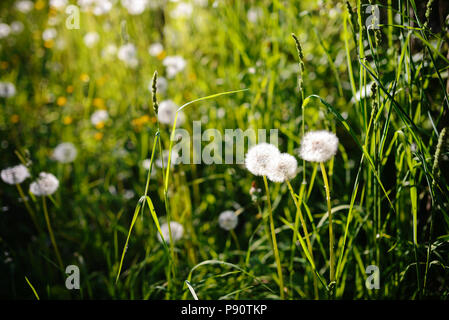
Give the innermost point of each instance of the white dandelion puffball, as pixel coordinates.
(146, 165)
(261, 158)
(15, 175)
(128, 54)
(5, 29)
(173, 160)
(24, 6)
(99, 116)
(7, 90)
(17, 27)
(254, 14)
(228, 220)
(109, 51)
(177, 230)
(167, 112)
(135, 7)
(90, 39)
(285, 168)
(49, 34)
(183, 10)
(97, 7)
(318, 146)
(45, 185)
(173, 65)
(155, 49)
(58, 4)
(64, 152)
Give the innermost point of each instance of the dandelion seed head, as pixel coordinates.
(58, 4)
(318, 146)
(49, 34)
(173, 65)
(7, 90)
(91, 38)
(135, 7)
(24, 6)
(65, 152)
(15, 175)
(46, 184)
(173, 160)
(167, 112)
(285, 168)
(177, 230)
(5, 30)
(99, 116)
(228, 220)
(261, 158)
(155, 49)
(128, 54)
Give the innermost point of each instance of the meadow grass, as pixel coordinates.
(383, 200)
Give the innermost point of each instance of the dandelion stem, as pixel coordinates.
(304, 228)
(273, 237)
(331, 233)
(29, 209)
(50, 231)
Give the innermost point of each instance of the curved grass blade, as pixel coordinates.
(32, 288)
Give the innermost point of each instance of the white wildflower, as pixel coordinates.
(177, 230)
(284, 169)
(91, 38)
(128, 54)
(45, 185)
(261, 158)
(7, 90)
(15, 175)
(173, 65)
(167, 111)
(65, 152)
(155, 49)
(99, 116)
(228, 220)
(318, 146)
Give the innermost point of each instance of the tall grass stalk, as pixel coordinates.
(50, 231)
(273, 239)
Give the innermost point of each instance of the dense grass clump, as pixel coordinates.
(92, 177)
